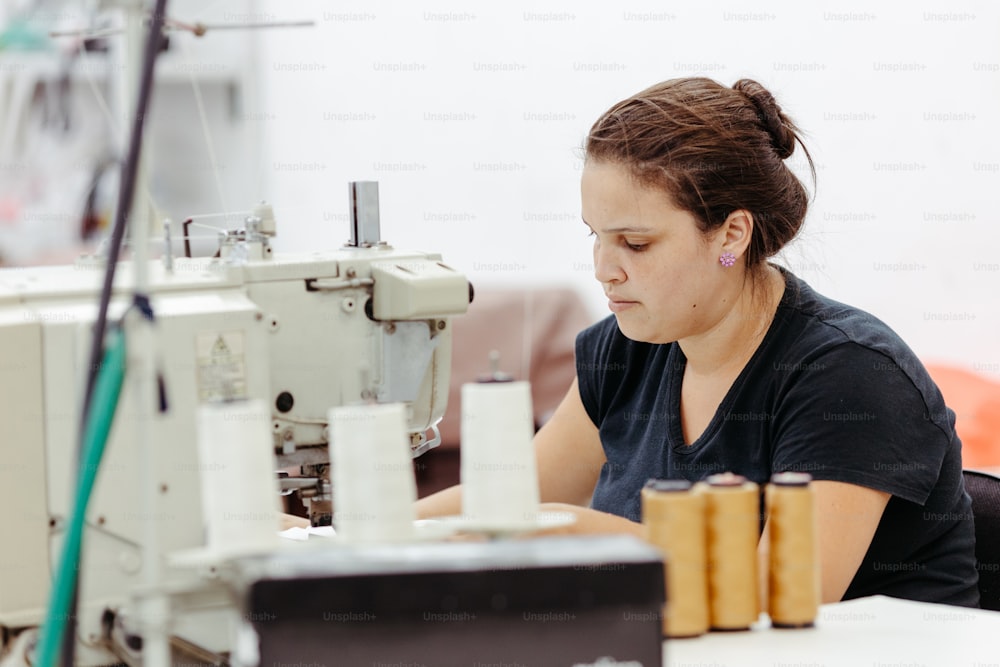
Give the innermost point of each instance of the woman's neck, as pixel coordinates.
(726, 347)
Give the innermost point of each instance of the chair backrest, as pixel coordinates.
(984, 489)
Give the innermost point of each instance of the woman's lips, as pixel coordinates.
(619, 305)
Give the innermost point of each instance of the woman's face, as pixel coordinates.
(660, 272)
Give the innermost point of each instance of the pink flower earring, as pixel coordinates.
(727, 259)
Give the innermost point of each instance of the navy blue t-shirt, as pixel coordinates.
(831, 391)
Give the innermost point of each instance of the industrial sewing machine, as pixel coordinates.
(303, 333)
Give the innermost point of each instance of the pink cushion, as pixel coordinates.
(533, 329)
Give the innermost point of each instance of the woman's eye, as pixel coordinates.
(637, 247)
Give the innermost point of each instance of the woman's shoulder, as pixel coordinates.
(821, 322)
(606, 357)
(601, 329)
(604, 337)
(603, 348)
(852, 345)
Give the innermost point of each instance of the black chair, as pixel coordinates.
(984, 489)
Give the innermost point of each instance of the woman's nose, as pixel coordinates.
(607, 268)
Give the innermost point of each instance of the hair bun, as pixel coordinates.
(774, 121)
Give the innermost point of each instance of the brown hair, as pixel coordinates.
(714, 150)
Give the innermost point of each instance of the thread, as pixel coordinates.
(794, 573)
(732, 519)
(238, 475)
(498, 469)
(374, 488)
(674, 518)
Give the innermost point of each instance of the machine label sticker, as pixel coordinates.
(222, 374)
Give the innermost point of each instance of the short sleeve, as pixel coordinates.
(854, 415)
(593, 351)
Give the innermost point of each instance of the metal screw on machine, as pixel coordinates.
(363, 198)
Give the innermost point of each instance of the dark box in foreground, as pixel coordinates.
(548, 602)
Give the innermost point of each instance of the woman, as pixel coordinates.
(716, 360)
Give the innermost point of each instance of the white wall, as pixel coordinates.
(471, 116)
(46, 169)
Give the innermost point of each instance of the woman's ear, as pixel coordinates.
(736, 232)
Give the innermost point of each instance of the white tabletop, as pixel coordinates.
(870, 632)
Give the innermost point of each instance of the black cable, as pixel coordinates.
(125, 196)
(187, 238)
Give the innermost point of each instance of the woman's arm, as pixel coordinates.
(846, 518)
(569, 457)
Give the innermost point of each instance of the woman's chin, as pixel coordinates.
(640, 332)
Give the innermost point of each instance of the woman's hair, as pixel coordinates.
(714, 150)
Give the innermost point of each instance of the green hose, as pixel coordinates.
(107, 388)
